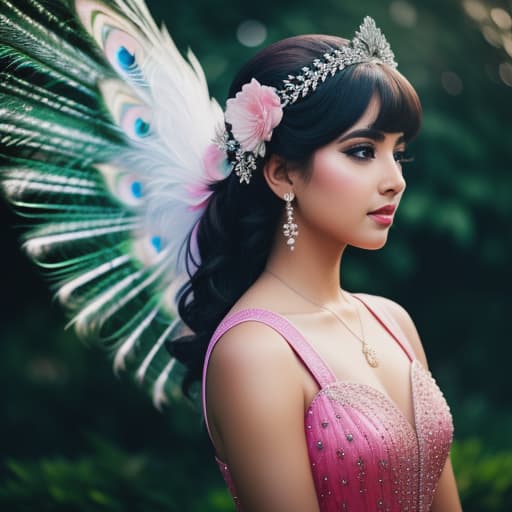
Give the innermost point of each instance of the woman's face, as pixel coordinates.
(356, 174)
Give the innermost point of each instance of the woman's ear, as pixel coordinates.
(278, 175)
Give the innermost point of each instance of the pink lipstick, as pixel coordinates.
(383, 215)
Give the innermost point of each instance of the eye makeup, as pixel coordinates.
(365, 151)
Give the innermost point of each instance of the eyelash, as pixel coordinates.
(352, 153)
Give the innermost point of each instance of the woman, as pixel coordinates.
(306, 388)
(315, 398)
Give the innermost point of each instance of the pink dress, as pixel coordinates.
(364, 453)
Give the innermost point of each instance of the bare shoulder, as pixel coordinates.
(248, 364)
(250, 348)
(404, 320)
(249, 345)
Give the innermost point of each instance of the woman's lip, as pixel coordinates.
(389, 209)
(382, 218)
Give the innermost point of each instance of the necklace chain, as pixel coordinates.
(369, 352)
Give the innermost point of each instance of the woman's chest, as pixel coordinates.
(343, 353)
(363, 451)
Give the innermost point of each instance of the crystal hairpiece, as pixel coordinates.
(257, 109)
(368, 45)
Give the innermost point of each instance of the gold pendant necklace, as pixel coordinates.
(369, 352)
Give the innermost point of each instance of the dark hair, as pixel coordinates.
(236, 231)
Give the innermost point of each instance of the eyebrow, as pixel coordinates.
(370, 133)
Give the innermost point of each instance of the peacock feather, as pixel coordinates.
(103, 128)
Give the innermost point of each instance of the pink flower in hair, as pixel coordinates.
(253, 113)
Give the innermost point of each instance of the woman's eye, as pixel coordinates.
(402, 157)
(368, 152)
(361, 152)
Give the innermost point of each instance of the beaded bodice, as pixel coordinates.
(364, 453)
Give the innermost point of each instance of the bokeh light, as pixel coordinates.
(505, 71)
(507, 43)
(491, 35)
(501, 18)
(403, 13)
(251, 33)
(451, 83)
(476, 10)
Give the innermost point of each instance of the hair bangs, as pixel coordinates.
(400, 106)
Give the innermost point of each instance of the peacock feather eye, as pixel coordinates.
(136, 188)
(156, 242)
(124, 186)
(141, 127)
(125, 59)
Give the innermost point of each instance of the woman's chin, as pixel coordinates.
(372, 244)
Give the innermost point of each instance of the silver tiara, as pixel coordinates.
(368, 45)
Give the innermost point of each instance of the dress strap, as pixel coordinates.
(304, 350)
(387, 321)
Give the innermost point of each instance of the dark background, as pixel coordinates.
(75, 437)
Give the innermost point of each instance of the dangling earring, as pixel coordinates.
(290, 228)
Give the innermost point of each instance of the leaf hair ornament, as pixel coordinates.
(257, 109)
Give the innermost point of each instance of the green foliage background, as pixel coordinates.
(73, 437)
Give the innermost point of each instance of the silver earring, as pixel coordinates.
(290, 230)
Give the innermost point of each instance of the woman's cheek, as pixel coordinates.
(330, 173)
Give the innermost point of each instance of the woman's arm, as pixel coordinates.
(256, 405)
(446, 497)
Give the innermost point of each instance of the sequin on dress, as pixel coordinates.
(364, 453)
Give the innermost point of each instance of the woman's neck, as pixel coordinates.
(312, 268)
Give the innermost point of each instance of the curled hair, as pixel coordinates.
(236, 232)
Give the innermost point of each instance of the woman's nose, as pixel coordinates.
(392, 176)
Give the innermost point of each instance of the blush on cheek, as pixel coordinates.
(329, 173)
